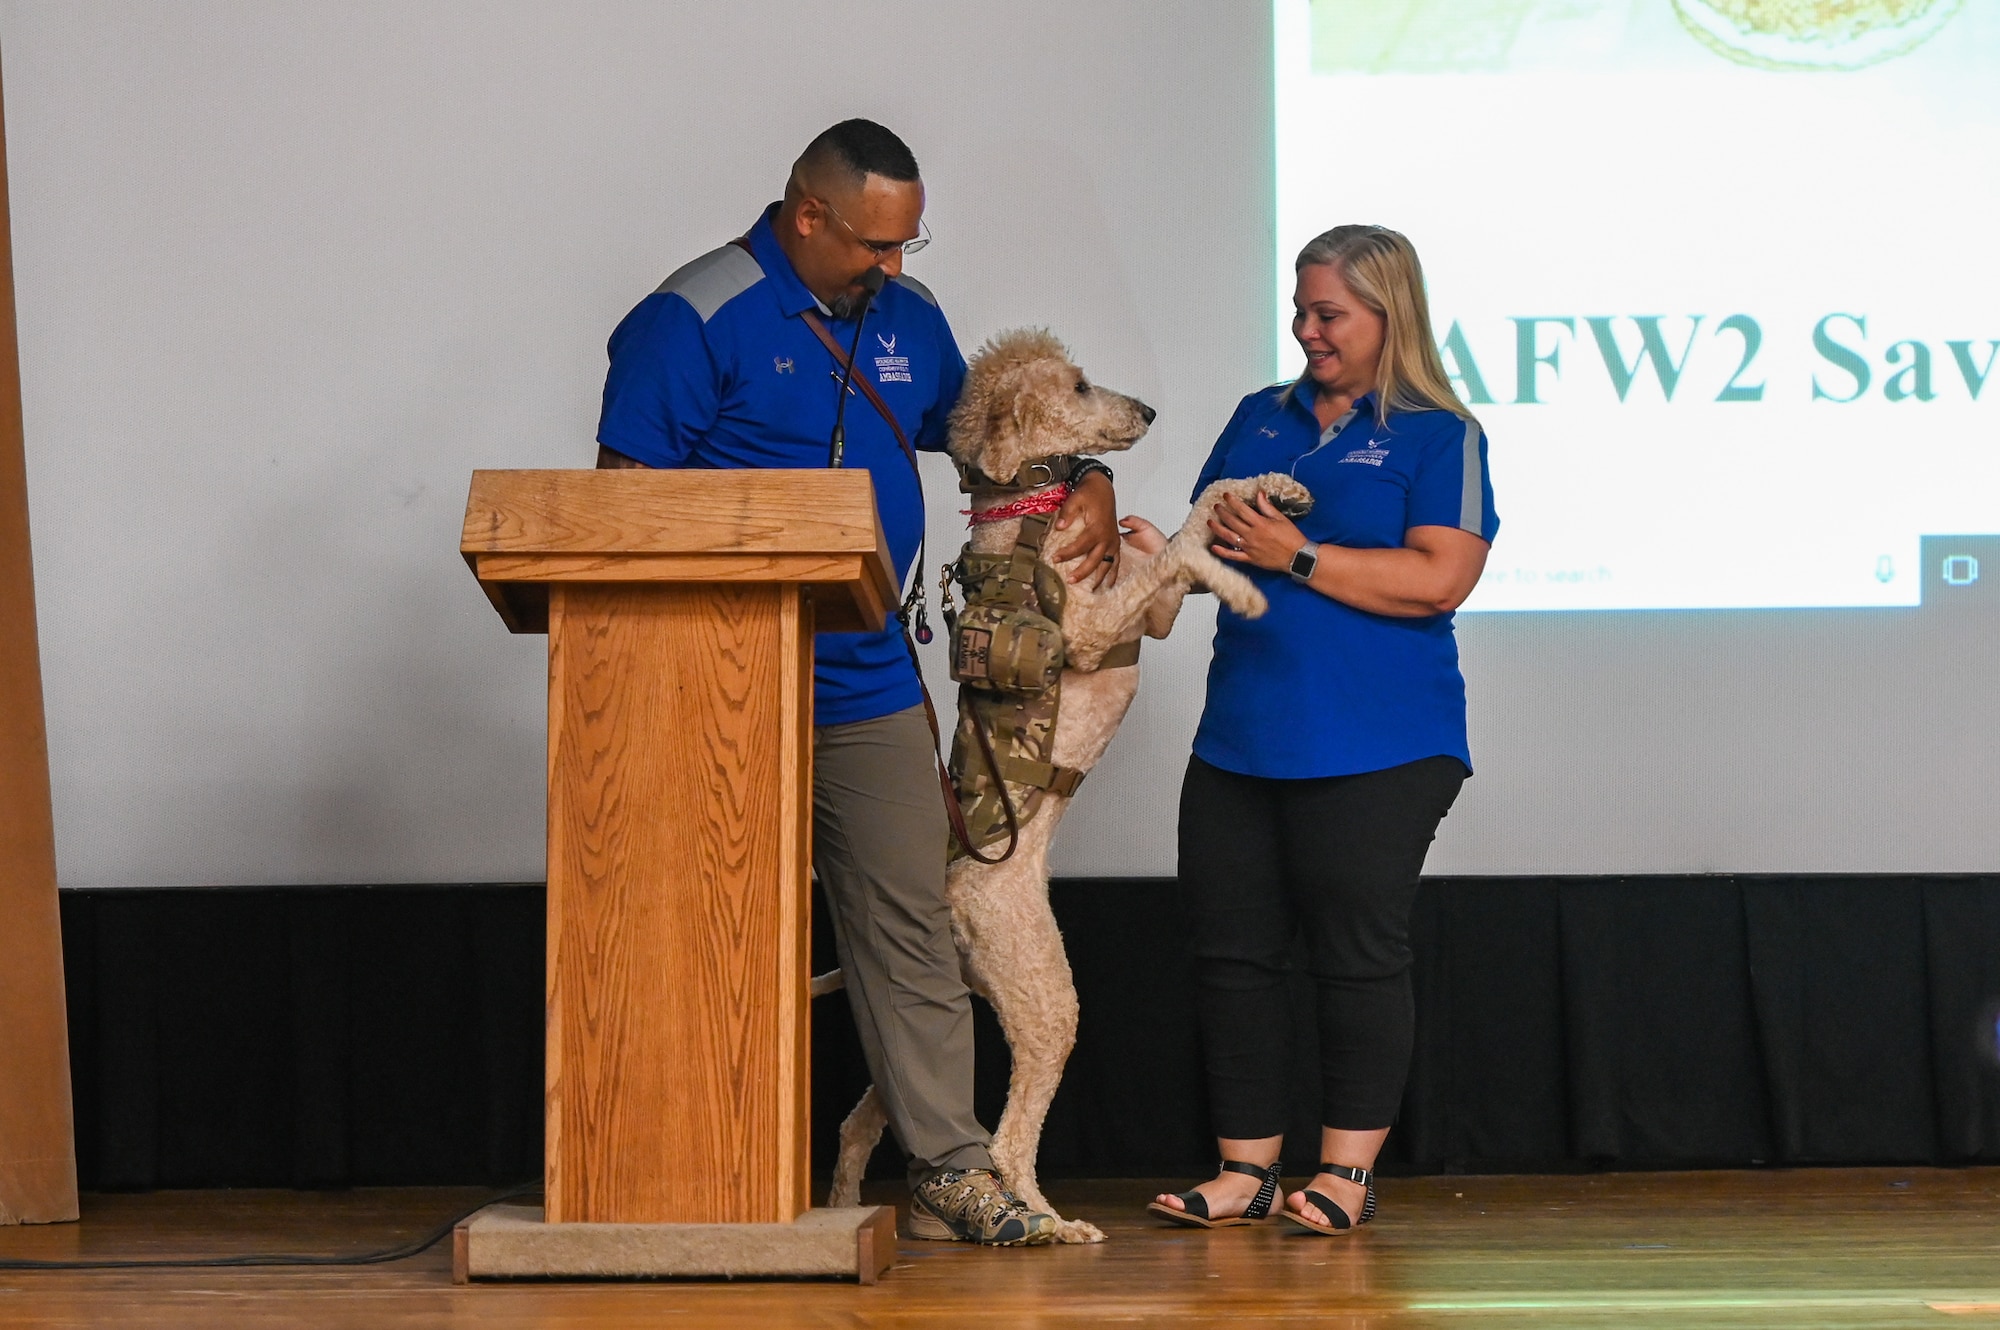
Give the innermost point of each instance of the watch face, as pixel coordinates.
(1305, 561)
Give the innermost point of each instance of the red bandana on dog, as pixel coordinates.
(1028, 505)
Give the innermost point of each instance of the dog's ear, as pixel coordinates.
(1030, 414)
(970, 424)
(1011, 407)
(1012, 417)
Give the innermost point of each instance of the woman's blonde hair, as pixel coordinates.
(1380, 266)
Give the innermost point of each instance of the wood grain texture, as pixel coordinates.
(524, 529)
(679, 733)
(876, 1246)
(37, 1145)
(1795, 1248)
(851, 598)
(670, 512)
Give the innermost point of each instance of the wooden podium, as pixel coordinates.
(680, 608)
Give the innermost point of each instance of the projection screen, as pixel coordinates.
(1716, 276)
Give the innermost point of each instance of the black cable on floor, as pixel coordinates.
(386, 1254)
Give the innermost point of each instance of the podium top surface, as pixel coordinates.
(526, 529)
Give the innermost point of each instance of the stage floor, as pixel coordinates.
(1815, 1247)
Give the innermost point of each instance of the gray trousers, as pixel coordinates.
(879, 839)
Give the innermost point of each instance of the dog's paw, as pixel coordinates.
(1235, 590)
(1287, 495)
(1078, 1231)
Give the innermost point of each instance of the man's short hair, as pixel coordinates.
(854, 150)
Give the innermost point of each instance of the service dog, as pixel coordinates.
(1024, 399)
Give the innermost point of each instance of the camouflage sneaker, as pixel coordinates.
(972, 1205)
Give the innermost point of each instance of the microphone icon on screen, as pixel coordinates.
(1885, 569)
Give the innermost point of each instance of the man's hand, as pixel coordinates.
(1092, 508)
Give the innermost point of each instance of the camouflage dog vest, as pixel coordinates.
(1007, 658)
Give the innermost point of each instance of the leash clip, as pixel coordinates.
(948, 606)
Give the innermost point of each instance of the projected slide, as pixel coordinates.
(1720, 277)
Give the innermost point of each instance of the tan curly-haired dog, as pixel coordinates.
(1025, 399)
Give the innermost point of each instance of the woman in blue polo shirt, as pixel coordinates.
(1333, 741)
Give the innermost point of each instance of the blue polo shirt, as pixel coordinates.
(1315, 687)
(717, 369)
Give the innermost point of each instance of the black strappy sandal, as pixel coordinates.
(1196, 1214)
(1341, 1223)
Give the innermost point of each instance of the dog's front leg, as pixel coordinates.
(1165, 607)
(1228, 582)
(1093, 623)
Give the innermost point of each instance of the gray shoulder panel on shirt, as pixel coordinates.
(910, 283)
(1472, 499)
(713, 280)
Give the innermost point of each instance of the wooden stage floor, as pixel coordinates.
(1819, 1247)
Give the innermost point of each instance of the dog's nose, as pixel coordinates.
(1147, 412)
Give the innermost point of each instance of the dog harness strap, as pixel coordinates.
(965, 839)
(1125, 653)
(1064, 780)
(1026, 771)
(1020, 583)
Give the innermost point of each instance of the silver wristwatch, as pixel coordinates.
(1305, 561)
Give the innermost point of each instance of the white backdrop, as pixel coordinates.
(288, 273)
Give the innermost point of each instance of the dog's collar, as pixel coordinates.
(1033, 475)
(1035, 503)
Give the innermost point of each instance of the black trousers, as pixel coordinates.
(1334, 861)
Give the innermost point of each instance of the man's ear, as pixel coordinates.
(805, 223)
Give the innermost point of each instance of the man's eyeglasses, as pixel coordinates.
(882, 249)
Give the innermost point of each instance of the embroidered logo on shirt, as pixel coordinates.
(783, 364)
(1369, 456)
(891, 368)
(888, 344)
(1267, 432)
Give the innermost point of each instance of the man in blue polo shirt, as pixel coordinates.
(722, 367)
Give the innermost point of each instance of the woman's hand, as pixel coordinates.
(1260, 536)
(1092, 508)
(1433, 573)
(1142, 535)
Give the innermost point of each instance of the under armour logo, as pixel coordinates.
(888, 344)
(783, 364)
